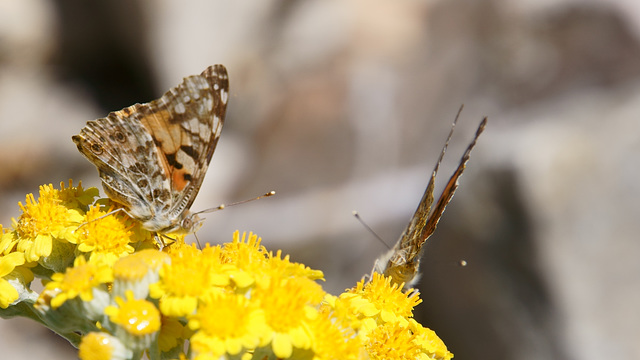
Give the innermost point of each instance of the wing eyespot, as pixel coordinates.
(120, 137)
(97, 149)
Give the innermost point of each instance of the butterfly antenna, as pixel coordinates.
(357, 216)
(222, 206)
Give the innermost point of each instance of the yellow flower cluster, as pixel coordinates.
(112, 293)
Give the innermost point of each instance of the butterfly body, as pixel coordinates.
(152, 157)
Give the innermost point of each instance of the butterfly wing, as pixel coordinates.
(450, 189)
(152, 157)
(402, 262)
(124, 153)
(185, 124)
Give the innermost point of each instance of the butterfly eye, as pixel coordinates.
(192, 223)
(188, 223)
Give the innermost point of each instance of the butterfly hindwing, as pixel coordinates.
(152, 157)
(116, 145)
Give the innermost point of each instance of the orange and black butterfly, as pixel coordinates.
(401, 263)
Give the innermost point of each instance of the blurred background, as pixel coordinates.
(345, 105)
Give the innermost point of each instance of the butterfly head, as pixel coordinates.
(190, 223)
(401, 265)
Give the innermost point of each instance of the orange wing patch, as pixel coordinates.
(168, 136)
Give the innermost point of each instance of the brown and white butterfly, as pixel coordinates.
(402, 262)
(152, 157)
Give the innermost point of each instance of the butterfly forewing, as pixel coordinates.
(152, 157)
(402, 262)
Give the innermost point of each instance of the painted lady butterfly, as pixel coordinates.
(152, 157)
(401, 263)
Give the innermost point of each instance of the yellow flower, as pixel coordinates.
(380, 301)
(43, 221)
(137, 321)
(8, 240)
(8, 263)
(248, 256)
(171, 334)
(106, 238)
(254, 263)
(431, 345)
(188, 277)
(77, 197)
(102, 346)
(392, 341)
(289, 305)
(244, 251)
(288, 268)
(395, 341)
(333, 341)
(233, 301)
(137, 271)
(227, 323)
(80, 280)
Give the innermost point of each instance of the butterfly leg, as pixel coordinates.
(104, 216)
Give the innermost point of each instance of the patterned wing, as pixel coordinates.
(125, 156)
(402, 262)
(152, 157)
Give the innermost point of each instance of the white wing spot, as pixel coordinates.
(194, 123)
(205, 131)
(216, 125)
(180, 109)
(209, 103)
(186, 98)
(216, 87)
(224, 96)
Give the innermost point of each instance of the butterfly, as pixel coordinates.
(152, 157)
(402, 262)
